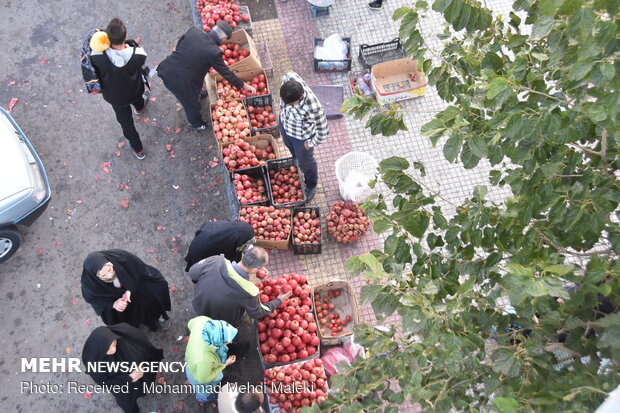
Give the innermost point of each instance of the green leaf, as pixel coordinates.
(419, 166)
(580, 70)
(560, 270)
(416, 223)
(394, 163)
(549, 7)
(439, 220)
(497, 86)
(506, 404)
(542, 27)
(452, 147)
(480, 191)
(441, 5)
(381, 225)
(607, 70)
(505, 363)
(478, 146)
(376, 124)
(469, 159)
(400, 12)
(519, 270)
(434, 130)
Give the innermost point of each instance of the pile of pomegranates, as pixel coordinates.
(283, 383)
(269, 223)
(346, 222)
(290, 332)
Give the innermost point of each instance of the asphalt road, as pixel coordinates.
(92, 171)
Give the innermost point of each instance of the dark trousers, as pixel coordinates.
(125, 118)
(190, 100)
(304, 156)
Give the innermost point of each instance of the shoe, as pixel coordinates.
(204, 126)
(375, 5)
(140, 155)
(310, 194)
(163, 324)
(203, 94)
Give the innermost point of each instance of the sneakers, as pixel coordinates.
(375, 5)
(203, 127)
(310, 194)
(163, 324)
(140, 155)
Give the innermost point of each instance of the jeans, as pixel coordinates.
(125, 118)
(204, 397)
(304, 156)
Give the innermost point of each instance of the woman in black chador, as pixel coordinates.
(118, 343)
(123, 289)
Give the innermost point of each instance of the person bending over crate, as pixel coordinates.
(183, 72)
(230, 238)
(303, 126)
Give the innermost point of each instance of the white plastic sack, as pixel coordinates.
(334, 48)
(355, 187)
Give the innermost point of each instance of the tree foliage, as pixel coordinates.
(501, 304)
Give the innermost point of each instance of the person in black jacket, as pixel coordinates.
(220, 237)
(121, 343)
(224, 291)
(119, 68)
(183, 72)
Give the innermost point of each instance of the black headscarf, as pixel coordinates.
(220, 237)
(150, 297)
(133, 346)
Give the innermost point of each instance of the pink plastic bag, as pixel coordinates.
(347, 353)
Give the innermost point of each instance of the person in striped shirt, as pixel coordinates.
(303, 126)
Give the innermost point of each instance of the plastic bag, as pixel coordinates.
(345, 354)
(355, 187)
(334, 48)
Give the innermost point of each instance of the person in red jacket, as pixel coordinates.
(119, 64)
(183, 72)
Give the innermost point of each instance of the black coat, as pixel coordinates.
(220, 237)
(132, 346)
(150, 297)
(183, 72)
(120, 85)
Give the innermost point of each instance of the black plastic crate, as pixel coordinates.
(373, 54)
(332, 65)
(263, 100)
(276, 164)
(256, 172)
(247, 26)
(302, 249)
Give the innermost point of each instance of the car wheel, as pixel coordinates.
(10, 240)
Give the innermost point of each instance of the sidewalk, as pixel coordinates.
(290, 41)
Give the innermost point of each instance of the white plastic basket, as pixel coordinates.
(354, 187)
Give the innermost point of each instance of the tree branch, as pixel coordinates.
(575, 253)
(584, 149)
(542, 94)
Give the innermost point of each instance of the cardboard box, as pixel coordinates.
(346, 304)
(251, 62)
(211, 80)
(397, 80)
